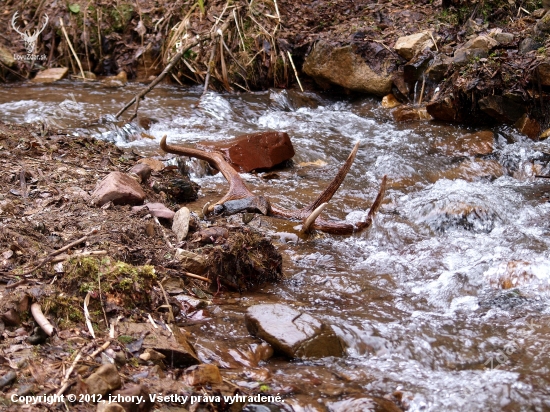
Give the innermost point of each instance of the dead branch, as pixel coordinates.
(233, 202)
(199, 39)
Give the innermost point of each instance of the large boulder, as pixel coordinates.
(341, 66)
(118, 188)
(292, 333)
(254, 151)
(408, 46)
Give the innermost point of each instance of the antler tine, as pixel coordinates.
(311, 218)
(37, 31)
(336, 182)
(13, 19)
(237, 188)
(341, 228)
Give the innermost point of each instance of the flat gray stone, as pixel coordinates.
(292, 333)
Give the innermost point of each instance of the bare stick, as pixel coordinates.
(209, 68)
(422, 90)
(168, 68)
(170, 312)
(76, 255)
(100, 349)
(163, 232)
(71, 47)
(64, 382)
(41, 319)
(295, 71)
(192, 275)
(57, 252)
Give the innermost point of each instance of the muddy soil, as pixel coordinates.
(122, 266)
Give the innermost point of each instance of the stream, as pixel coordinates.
(418, 297)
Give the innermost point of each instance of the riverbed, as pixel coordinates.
(443, 302)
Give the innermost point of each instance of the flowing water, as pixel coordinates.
(419, 298)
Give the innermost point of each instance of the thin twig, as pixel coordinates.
(192, 275)
(163, 233)
(170, 312)
(295, 71)
(64, 382)
(71, 47)
(57, 252)
(62, 258)
(209, 68)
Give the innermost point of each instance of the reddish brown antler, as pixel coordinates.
(239, 198)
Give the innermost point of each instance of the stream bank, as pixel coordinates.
(459, 61)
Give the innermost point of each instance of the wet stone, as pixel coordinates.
(104, 380)
(502, 108)
(479, 143)
(292, 333)
(255, 151)
(389, 101)
(203, 374)
(118, 188)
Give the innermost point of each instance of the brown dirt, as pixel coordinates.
(45, 186)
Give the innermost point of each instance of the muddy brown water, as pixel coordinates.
(416, 298)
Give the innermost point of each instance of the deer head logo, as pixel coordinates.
(30, 39)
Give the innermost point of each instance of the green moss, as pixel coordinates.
(125, 339)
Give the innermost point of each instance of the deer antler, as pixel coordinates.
(13, 19)
(239, 197)
(37, 31)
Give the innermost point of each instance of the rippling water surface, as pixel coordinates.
(443, 303)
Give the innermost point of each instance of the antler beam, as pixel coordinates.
(240, 198)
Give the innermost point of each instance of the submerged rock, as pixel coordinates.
(479, 143)
(341, 66)
(292, 333)
(254, 151)
(118, 188)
